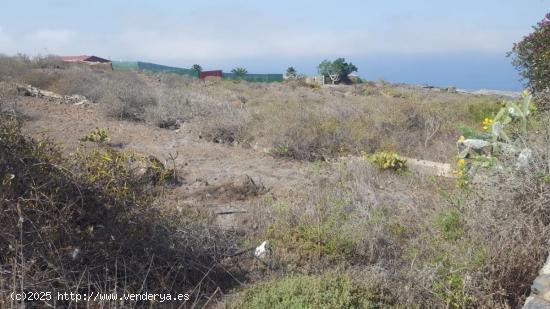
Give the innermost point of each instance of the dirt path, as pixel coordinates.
(214, 175)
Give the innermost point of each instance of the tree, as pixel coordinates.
(239, 72)
(196, 70)
(337, 70)
(291, 73)
(531, 56)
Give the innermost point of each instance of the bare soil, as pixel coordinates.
(226, 182)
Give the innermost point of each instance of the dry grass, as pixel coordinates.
(429, 243)
(292, 119)
(89, 223)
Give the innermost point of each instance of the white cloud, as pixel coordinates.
(258, 35)
(53, 36)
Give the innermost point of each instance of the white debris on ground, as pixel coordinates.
(262, 251)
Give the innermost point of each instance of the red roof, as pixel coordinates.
(216, 73)
(84, 58)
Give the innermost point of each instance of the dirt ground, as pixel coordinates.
(226, 182)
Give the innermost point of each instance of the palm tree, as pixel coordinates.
(239, 72)
(196, 69)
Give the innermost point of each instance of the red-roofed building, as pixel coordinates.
(216, 73)
(93, 61)
(84, 58)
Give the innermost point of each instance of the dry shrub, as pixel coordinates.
(125, 95)
(21, 67)
(69, 227)
(510, 216)
(480, 247)
(8, 92)
(128, 99)
(227, 128)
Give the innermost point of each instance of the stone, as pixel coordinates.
(541, 284)
(424, 167)
(247, 186)
(469, 147)
(76, 99)
(545, 270)
(30, 91)
(534, 302)
(170, 124)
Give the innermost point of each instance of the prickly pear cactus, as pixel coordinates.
(491, 145)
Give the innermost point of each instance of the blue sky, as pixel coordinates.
(461, 43)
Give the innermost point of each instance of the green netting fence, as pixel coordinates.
(163, 68)
(152, 67)
(265, 78)
(125, 65)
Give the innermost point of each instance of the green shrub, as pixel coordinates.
(450, 288)
(388, 160)
(449, 223)
(314, 234)
(328, 291)
(481, 109)
(97, 135)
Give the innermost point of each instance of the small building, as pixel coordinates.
(215, 73)
(94, 61)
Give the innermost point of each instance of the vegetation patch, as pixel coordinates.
(301, 291)
(388, 160)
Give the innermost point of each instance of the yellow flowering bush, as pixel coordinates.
(461, 172)
(486, 124)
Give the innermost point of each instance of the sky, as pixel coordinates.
(438, 42)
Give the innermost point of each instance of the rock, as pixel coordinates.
(23, 91)
(540, 296)
(545, 270)
(76, 99)
(534, 302)
(170, 124)
(424, 167)
(30, 91)
(468, 147)
(247, 187)
(541, 284)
